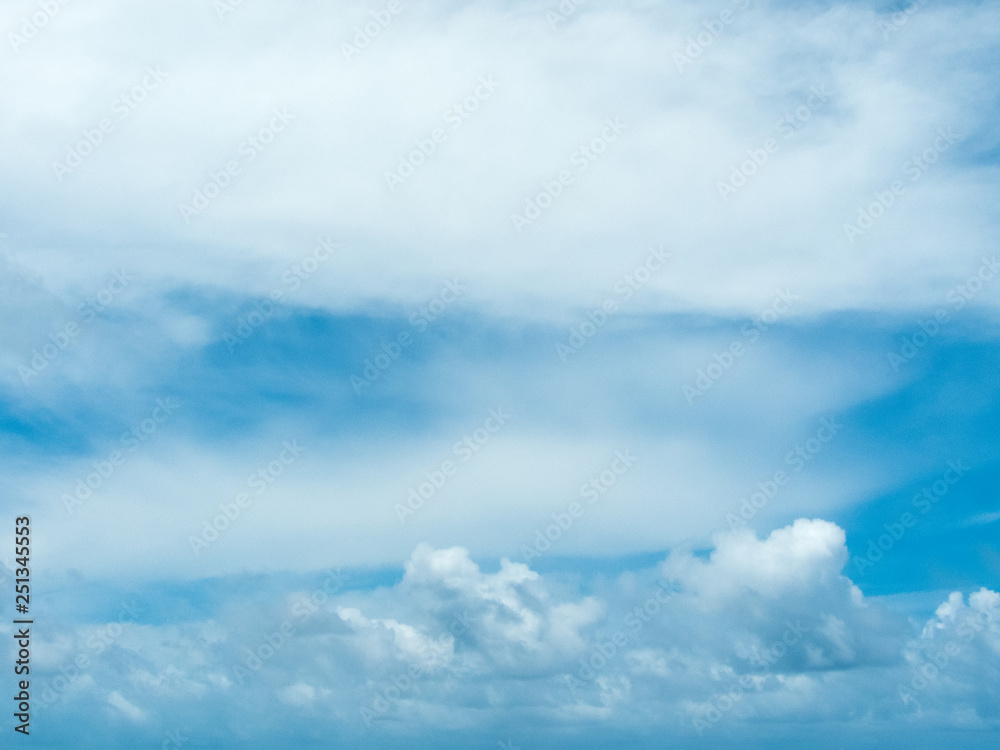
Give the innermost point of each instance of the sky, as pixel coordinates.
(503, 374)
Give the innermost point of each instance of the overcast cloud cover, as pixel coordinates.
(502, 374)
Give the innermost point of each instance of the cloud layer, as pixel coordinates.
(886, 93)
(759, 635)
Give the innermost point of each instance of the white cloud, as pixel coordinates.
(773, 615)
(657, 185)
(796, 559)
(131, 712)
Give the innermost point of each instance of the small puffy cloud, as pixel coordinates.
(806, 555)
(485, 622)
(954, 663)
(781, 599)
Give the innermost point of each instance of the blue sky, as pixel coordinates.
(522, 375)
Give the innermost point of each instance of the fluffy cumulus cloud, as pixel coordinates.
(953, 662)
(749, 636)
